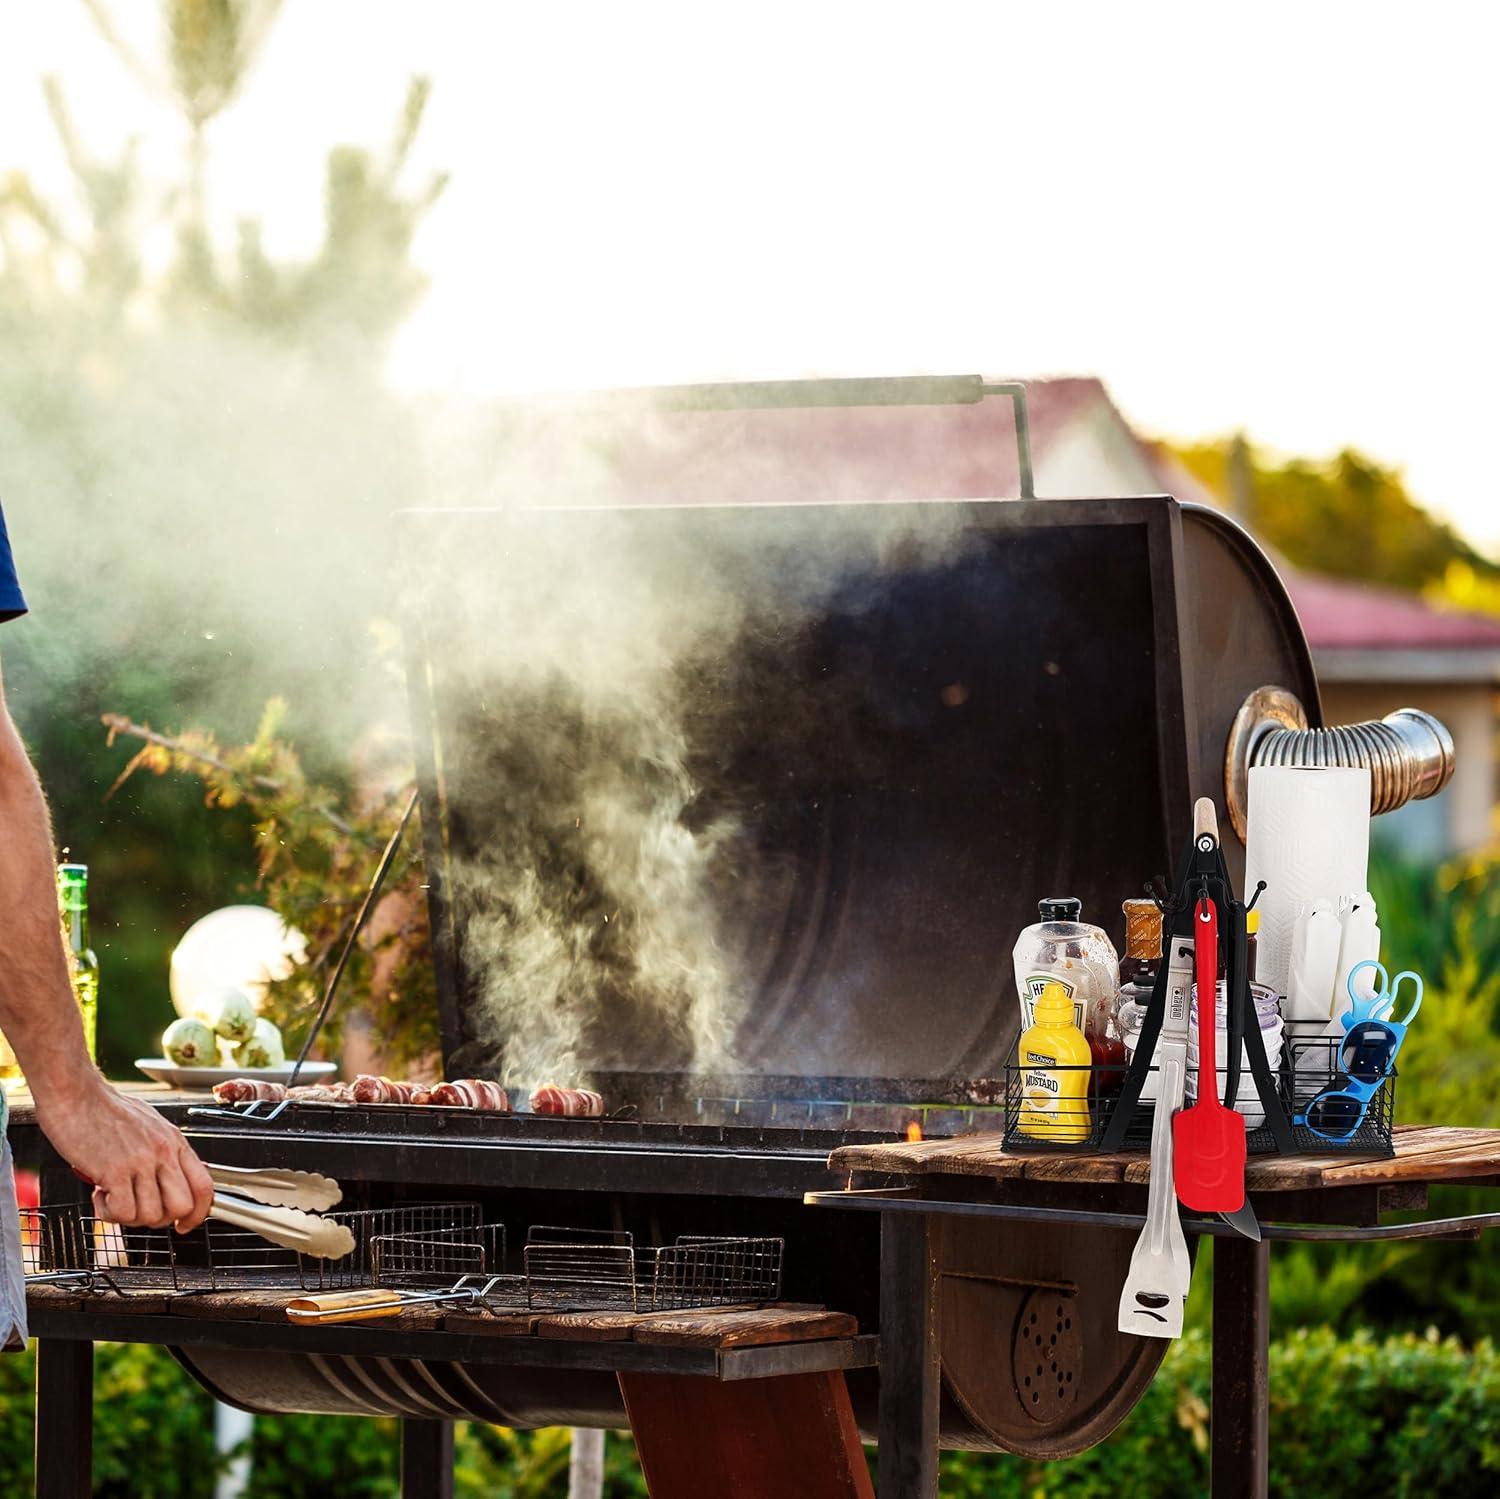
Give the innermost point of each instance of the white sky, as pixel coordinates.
(1279, 216)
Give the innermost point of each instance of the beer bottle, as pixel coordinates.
(73, 898)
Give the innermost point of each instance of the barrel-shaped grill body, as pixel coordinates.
(747, 743)
(878, 735)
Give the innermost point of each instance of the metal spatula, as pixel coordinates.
(1156, 1287)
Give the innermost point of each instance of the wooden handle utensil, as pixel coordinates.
(344, 1306)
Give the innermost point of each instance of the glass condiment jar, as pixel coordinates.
(1063, 949)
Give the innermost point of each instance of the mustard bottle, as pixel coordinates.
(1054, 1057)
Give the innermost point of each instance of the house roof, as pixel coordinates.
(624, 453)
(799, 455)
(1341, 615)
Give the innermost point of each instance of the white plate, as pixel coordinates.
(173, 1076)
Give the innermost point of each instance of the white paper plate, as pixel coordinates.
(173, 1076)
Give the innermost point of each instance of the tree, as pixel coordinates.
(1347, 516)
(198, 467)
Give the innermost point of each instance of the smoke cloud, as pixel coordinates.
(612, 686)
(223, 511)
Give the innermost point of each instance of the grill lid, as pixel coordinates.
(770, 789)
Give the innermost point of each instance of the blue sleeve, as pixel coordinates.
(11, 602)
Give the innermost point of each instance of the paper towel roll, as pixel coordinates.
(1308, 835)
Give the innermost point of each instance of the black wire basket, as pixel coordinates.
(1309, 1063)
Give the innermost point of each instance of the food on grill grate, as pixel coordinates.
(467, 1093)
(369, 1089)
(473, 1093)
(571, 1103)
(249, 1090)
(322, 1093)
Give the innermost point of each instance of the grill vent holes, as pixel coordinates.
(1047, 1355)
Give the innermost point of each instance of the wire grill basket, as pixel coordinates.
(566, 1269)
(67, 1245)
(442, 1257)
(413, 1220)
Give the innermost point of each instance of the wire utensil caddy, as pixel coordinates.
(1309, 1063)
(1122, 1098)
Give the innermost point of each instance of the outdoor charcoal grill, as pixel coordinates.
(921, 714)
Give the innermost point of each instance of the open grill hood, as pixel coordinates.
(892, 728)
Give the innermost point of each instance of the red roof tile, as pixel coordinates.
(1341, 615)
(872, 453)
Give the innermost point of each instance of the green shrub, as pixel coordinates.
(1444, 923)
(1405, 1416)
(1400, 1416)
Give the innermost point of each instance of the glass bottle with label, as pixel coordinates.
(1143, 922)
(1063, 949)
(10, 1068)
(73, 899)
(83, 966)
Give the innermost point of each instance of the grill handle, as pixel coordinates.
(1408, 753)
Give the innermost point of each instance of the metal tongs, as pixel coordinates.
(308, 1190)
(272, 1203)
(251, 1113)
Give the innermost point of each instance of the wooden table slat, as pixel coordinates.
(955, 1155)
(742, 1329)
(231, 1306)
(493, 1324)
(1435, 1166)
(1426, 1153)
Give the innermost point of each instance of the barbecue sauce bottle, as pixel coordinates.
(1056, 1066)
(1142, 943)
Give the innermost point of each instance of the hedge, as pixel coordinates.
(1401, 1416)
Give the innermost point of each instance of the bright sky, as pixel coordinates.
(1280, 217)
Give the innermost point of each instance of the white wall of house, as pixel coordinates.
(1462, 817)
(1093, 457)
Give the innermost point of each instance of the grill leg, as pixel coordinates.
(909, 1371)
(64, 1418)
(426, 1459)
(1241, 1369)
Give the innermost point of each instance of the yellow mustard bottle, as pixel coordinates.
(1054, 1057)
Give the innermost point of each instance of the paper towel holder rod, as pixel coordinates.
(1408, 753)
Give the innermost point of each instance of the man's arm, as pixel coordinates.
(143, 1170)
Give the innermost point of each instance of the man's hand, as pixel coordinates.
(144, 1173)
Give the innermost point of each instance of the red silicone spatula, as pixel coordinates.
(1208, 1140)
